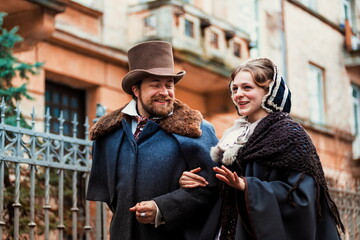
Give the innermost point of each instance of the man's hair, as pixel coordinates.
(138, 84)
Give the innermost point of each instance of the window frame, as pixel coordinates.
(214, 39)
(55, 108)
(316, 94)
(150, 25)
(189, 29)
(237, 49)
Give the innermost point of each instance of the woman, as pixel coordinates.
(271, 180)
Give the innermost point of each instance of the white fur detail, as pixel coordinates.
(230, 154)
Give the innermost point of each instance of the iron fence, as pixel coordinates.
(43, 181)
(348, 203)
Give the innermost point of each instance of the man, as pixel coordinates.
(137, 166)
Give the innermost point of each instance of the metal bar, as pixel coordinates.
(2, 222)
(46, 164)
(87, 227)
(16, 203)
(47, 206)
(99, 220)
(2, 172)
(74, 209)
(61, 225)
(32, 223)
(104, 221)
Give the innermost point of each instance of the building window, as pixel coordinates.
(189, 28)
(237, 50)
(316, 94)
(214, 40)
(309, 3)
(150, 26)
(347, 13)
(356, 120)
(70, 101)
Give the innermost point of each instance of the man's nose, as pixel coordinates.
(163, 90)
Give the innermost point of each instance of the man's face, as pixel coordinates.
(155, 96)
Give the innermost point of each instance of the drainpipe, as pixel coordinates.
(257, 51)
(283, 41)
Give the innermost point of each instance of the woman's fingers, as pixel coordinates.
(230, 178)
(198, 169)
(189, 179)
(192, 176)
(222, 178)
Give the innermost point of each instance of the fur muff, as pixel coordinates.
(184, 121)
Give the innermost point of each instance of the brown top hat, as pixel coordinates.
(152, 58)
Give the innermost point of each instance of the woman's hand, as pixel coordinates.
(189, 179)
(230, 178)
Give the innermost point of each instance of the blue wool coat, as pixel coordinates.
(125, 172)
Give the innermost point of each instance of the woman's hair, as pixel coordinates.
(262, 70)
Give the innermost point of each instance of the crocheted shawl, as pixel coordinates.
(280, 142)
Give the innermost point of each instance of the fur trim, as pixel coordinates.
(216, 154)
(184, 121)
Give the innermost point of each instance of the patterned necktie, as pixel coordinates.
(141, 122)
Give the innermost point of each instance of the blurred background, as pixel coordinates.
(82, 45)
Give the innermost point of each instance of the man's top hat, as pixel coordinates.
(152, 58)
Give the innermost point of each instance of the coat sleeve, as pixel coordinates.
(98, 184)
(272, 216)
(101, 185)
(182, 205)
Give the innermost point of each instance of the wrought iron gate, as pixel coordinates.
(43, 180)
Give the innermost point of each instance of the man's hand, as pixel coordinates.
(145, 212)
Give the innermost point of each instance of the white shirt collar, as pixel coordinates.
(130, 108)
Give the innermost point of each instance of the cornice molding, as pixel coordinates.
(317, 15)
(56, 5)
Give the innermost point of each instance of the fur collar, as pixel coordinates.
(184, 121)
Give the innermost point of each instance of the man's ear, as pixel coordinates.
(135, 89)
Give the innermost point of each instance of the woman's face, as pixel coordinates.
(248, 96)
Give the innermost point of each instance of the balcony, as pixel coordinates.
(35, 19)
(197, 37)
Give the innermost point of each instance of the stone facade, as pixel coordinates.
(83, 44)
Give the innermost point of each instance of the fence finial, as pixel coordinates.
(75, 123)
(18, 112)
(86, 125)
(3, 109)
(47, 120)
(33, 115)
(61, 123)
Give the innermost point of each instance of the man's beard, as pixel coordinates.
(156, 110)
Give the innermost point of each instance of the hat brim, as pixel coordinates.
(132, 77)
